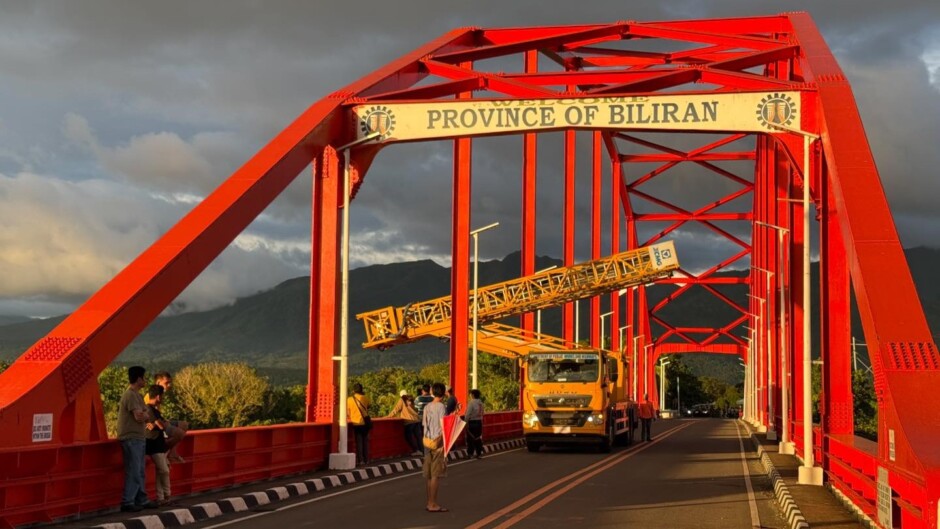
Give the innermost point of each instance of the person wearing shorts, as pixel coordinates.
(435, 462)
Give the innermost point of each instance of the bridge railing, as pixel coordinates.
(41, 485)
(851, 467)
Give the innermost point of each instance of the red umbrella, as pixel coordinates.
(451, 425)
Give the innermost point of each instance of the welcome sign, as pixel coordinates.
(740, 112)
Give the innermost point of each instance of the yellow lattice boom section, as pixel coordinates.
(390, 325)
(512, 342)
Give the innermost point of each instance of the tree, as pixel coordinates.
(383, 387)
(215, 394)
(499, 383)
(865, 405)
(285, 404)
(713, 388)
(112, 382)
(689, 387)
(435, 373)
(730, 398)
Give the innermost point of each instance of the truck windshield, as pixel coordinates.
(563, 367)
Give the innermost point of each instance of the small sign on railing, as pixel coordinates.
(42, 427)
(884, 499)
(891, 453)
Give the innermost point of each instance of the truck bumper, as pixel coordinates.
(564, 438)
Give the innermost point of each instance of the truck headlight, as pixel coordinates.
(530, 419)
(596, 418)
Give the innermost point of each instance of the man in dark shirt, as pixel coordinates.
(423, 398)
(156, 446)
(451, 405)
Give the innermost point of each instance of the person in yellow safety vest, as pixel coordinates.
(647, 414)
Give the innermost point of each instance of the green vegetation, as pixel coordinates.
(214, 395)
(499, 388)
(865, 405)
(221, 395)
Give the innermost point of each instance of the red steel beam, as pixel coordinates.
(324, 289)
(460, 263)
(529, 204)
(535, 43)
(896, 331)
(567, 311)
(51, 374)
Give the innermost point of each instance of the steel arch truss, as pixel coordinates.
(758, 55)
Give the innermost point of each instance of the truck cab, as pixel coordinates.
(575, 396)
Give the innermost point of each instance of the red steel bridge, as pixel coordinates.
(772, 124)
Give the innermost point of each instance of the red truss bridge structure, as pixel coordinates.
(762, 113)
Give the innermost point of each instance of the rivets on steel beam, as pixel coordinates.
(51, 349)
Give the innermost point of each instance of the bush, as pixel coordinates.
(112, 382)
(216, 395)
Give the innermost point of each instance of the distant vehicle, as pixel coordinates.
(709, 410)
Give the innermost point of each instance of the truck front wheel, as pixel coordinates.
(608, 441)
(532, 446)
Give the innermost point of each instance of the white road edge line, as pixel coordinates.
(751, 500)
(345, 491)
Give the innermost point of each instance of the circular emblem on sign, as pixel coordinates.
(377, 119)
(776, 109)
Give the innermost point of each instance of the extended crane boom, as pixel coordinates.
(512, 342)
(389, 326)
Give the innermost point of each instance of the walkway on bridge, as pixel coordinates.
(690, 475)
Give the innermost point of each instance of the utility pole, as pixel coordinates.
(678, 396)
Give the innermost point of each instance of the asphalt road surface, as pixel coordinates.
(691, 475)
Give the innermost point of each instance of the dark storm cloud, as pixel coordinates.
(100, 95)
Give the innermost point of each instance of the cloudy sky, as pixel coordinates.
(117, 117)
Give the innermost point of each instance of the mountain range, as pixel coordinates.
(269, 329)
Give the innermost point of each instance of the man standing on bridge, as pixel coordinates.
(132, 416)
(435, 462)
(646, 413)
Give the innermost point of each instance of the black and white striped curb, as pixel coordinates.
(251, 500)
(791, 510)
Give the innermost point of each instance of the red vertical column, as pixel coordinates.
(527, 244)
(783, 281)
(460, 268)
(642, 351)
(616, 172)
(567, 311)
(837, 414)
(780, 169)
(460, 262)
(324, 287)
(594, 318)
(529, 172)
(760, 288)
(796, 306)
(768, 290)
(654, 381)
(757, 280)
(634, 345)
